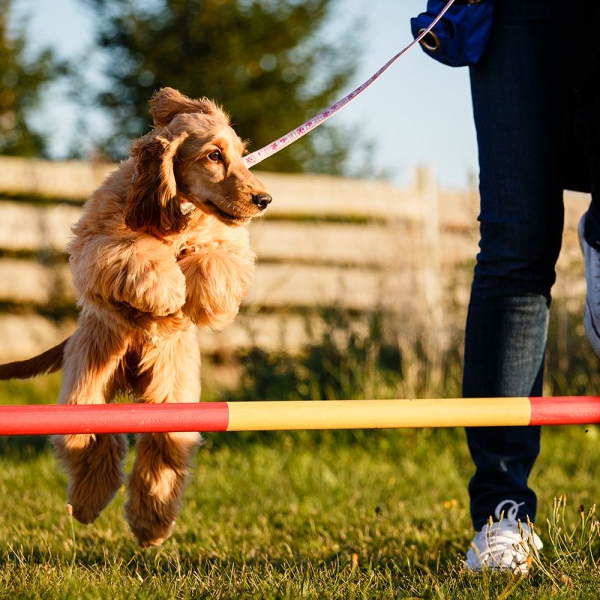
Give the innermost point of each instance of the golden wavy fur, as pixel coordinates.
(160, 248)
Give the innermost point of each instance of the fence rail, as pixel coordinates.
(325, 242)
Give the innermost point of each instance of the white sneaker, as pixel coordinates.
(504, 545)
(591, 315)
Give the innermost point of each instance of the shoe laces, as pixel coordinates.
(507, 524)
(509, 515)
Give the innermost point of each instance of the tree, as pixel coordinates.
(263, 60)
(22, 82)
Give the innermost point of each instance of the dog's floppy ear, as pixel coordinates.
(152, 204)
(167, 103)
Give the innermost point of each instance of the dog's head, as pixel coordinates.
(192, 156)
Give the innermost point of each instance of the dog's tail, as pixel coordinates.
(42, 364)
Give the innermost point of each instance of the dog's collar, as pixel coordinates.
(187, 207)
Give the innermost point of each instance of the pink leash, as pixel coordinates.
(292, 136)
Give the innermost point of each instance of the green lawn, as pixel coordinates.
(303, 515)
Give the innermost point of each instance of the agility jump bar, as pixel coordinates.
(297, 415)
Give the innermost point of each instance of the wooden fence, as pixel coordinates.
(325, 242)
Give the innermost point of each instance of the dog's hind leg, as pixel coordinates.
(157, 480)
(157, 483)
(94, 463)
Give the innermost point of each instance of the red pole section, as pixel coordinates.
(565, 410)
(113, 418)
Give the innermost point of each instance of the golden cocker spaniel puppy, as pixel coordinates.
(159, 249)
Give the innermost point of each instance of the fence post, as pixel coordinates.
(426, 191)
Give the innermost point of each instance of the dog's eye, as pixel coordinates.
(215, 156)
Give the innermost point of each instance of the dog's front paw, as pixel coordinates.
(216, 284)
(159, 291)
(169, 296)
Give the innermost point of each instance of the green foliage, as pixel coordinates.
(351, 357)
(357, 357)
(343, 360)
(42, 390)
(22, 78)
(264, 61)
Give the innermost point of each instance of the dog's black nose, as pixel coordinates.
(261, 200)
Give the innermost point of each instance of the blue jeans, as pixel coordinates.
(521, 92)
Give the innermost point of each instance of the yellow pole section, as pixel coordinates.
(378, 414)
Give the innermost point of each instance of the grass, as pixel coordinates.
(349, 514)
(372, 515)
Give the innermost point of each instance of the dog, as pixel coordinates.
(160, 248)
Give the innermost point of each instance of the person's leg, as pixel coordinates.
(588, 132)
(520, 93)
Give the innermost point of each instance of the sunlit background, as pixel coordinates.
(418, 112)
